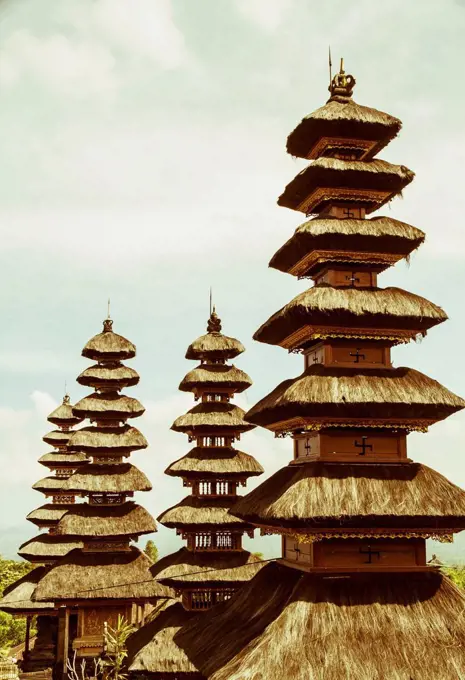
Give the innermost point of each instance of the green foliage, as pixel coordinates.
(456, 573)
(258, 556)
(151, 551)
(12, 631)
(116, 650)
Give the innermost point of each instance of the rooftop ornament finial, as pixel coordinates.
(341, 85)
(66, 399)
(214, 322)
(108, 323)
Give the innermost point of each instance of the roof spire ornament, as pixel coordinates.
(341, 85)
(214, 322)
(108, 323)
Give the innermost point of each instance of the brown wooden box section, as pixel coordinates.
(348, 278)
(349, 353)
(360, 446)
(347, 554)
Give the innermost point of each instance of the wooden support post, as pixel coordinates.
(27, 640)
(66, 643)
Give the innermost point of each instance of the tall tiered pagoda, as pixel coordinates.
(106, 575)
(353, 595)
(48, 547)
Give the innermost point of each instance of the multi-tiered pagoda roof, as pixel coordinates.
(353, 595)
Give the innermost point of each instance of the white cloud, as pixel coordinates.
(43, 402)
(266, 14)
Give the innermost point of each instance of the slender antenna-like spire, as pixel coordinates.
(330, 66)
(211, 304)
(108, 315)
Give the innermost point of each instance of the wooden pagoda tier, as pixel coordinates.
(106, 523)
(354, 511)
(213, 470)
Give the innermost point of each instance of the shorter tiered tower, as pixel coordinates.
(214, 563)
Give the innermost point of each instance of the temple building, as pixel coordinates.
(48, 547)
(213, 564)
(105, 575)
(353, 595)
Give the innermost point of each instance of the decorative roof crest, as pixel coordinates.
(342, 85)
(108, 323)
(214, 322)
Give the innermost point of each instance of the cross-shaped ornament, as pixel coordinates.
(353, 279)
(348, 213)
(363, 445)
(297, 550)
(370, 554)
(308, 447)
(357, 355)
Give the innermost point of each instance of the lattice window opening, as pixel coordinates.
(107, 499)
(208, 396)
(215, 488)
(212, 362)
(217, 442)
(63, 499)
(219, 541)
(63, 473)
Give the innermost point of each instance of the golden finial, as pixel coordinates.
(341, 85)
(108, 323)
(66, 398)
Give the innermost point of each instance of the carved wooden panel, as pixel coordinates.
(368, 355)
(315, 356)
(306, 446)
(297, 552)
(370, 554)
(363, 446)
(348, 278)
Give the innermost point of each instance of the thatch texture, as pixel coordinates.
(214, 346)
(326, 495)
(114, 576)
(17, 596)
(152, 650)
(185, 567)
(57, 438)
(48, 484)
(107, 440)
(48, 547)
(376, 175)
(115, 374)
(96, 521)
(121, 478)
(109, 346)
(215, 375)
(201, 512)
(374, 235)
(205, 462)
(342, 118)
(212, 416)
(108, 406)
(377, 308)
(48, 514)
(287, 624)
(63, 459)
(63, 415)
(325, 392)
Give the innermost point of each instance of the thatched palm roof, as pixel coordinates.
(63, 459)
(109, 346)
(376, 175)
(121, 478)
(186, 567)
(351, 236)
(48, 484)
(107, 440)
(212, 416)
(197, 512)
(63, 415)
(115, 374)
(324, 495)
(127, 519)
(108, 405)
(152, 650)
(57, 438)
(325, 393)
(17, 596)
(205, 462)
(48, 547)
(214, 346)
(114, 576)
(287, 624)
(48, 514)
(374, 308)
(215, 375)
(342, 118)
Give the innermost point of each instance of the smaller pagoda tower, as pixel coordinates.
(213, 564)
(105, 576)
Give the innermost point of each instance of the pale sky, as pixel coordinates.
(142, 150)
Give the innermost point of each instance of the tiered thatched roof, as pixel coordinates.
(152, 650)
(374, 174)
(109, 346)
(114, 576)
(17, 597)
(48, 514)
(285, 622)
(197, 512)
(341, 117)
(122, 478)
(349, 236)
(63, 459)
(109, 406)
(107, 440)
(215, 375)
(185, 567)
(57, 438)
(49, 484)
(210, 417)
(325, 393)
(48, 547)
(366, 308)
(326, 495)
(63, 415)
(92, 521)
(107, 375)
(205, 462)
